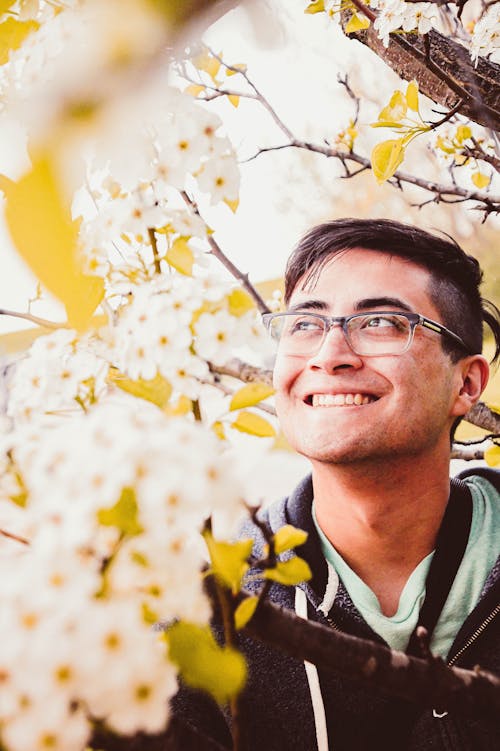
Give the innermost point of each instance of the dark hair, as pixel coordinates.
(455, 276)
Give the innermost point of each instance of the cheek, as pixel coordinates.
(285, 372)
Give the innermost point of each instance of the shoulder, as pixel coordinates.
(485, 476)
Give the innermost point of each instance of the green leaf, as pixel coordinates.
(229, 560)
(13, 33)
(156, 390)
(288, 537)
(220, 671)
(386, 158)
(290, 572)
(123, 514)
(245, 611)
(250, 394)
(248, 422)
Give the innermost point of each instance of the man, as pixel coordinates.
(378, 359)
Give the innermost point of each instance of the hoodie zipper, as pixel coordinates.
(475, 635)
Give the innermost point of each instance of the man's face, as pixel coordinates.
(408, 401)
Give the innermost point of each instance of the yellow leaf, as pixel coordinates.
(386, 158)
(315, 7)
(245, 611)
(208, 63)
(149, 616)
(442, 144)
(6, 4)
(492, 456)
(234, 99)
(248, 422)
(412, 95)
(240, 68)
(123, 515)
(288, 537)
(356, 23)
(233, 205)
(194, 89)
(463, 133)
(39, 220)
(228, 560)
(239, 302)
(12, 35)
(480, 180)
(183, 406)
(157, 390)
(386, 124)
(180, 256)
(396, 109)
(220, 671)
(249, 395)
(290, 572)
(218, 429)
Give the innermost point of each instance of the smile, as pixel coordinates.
(340, 400)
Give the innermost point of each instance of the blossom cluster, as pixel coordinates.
(112, 508)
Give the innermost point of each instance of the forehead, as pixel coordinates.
(358, 274)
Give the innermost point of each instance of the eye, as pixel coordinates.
(387, 322)
(305, 325)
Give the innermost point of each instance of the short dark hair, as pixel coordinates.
(455, 276)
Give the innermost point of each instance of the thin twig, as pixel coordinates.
(262, 99)
(12, 536)
(492, 202)
(216, 251)
(34, 319)
(154, 245)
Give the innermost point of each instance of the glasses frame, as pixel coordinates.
(414, 319)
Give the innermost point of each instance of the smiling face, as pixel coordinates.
(336, 406)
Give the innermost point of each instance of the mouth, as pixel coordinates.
(354, 399)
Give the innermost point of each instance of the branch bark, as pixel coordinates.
(427, 683)
(443, 69)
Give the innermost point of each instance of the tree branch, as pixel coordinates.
(34, 319)
(444, 71)
(216, 251)
(426, 683)
(12, 536)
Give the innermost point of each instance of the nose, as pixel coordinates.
(335, 352)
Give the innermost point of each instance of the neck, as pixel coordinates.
(383, 519)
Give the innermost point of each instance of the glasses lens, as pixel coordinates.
(379, 334)
(298, 333)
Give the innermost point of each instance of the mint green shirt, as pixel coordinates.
(479, 557)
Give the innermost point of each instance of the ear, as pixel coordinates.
(472, 377)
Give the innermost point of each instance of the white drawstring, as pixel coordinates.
(313, 680)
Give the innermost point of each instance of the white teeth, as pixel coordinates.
(340, 400)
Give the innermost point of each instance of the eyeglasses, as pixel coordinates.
(385, 333)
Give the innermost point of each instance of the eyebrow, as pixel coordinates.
(367, 303)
